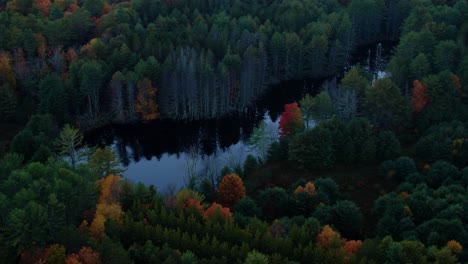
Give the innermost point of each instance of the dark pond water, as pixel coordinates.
(163, 153)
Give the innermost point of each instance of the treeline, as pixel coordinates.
(93, 61)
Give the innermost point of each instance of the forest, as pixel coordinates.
(373, 169)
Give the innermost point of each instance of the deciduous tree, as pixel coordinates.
(231, 189)
(217, 212)
(105, 162)
(146, 101)
(326, 236)
(419, 98)
(291, 120)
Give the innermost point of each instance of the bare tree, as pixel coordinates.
(346, 104)
(211, 167)
(57, 59)
(191, 160)
(235, 156)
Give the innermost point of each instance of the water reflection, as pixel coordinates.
(157, 153)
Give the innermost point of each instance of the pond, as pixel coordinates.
(164, 153)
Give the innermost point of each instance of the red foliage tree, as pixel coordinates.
(217, 211)
(44, 6)
(86, 255)
(419, 100)
(37, 255)
(291, 120)
(193, 204)
(457, 82)
(231, 189)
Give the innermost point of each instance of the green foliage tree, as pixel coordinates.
(354, 80)
(312, 149)
(68, 142)
(8, 103)
(255, 257)
(319, 107)
(53, 97)
(404, 166)
(261, 139)
(385, 106)
(104, 162)
(440, 172)
(388, 146)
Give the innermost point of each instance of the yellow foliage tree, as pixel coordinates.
(97, 227)
(110, 211)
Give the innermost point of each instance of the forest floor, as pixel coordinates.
(357, 183)
(7, 133)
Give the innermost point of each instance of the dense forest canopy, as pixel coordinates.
(96, 62)
(371, 170)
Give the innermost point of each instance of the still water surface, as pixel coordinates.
(160, 153)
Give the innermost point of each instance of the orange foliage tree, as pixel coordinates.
(146, 100)
(218, 212)
(455, 247)
(108, 206)
(309, 188)
(86, 255)
(352, 247)
(41, 45)
(231, 189)
(326, 236)
(7, 76)
(110, 189)
(71, 55)
(419, 99)
(291, 120)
